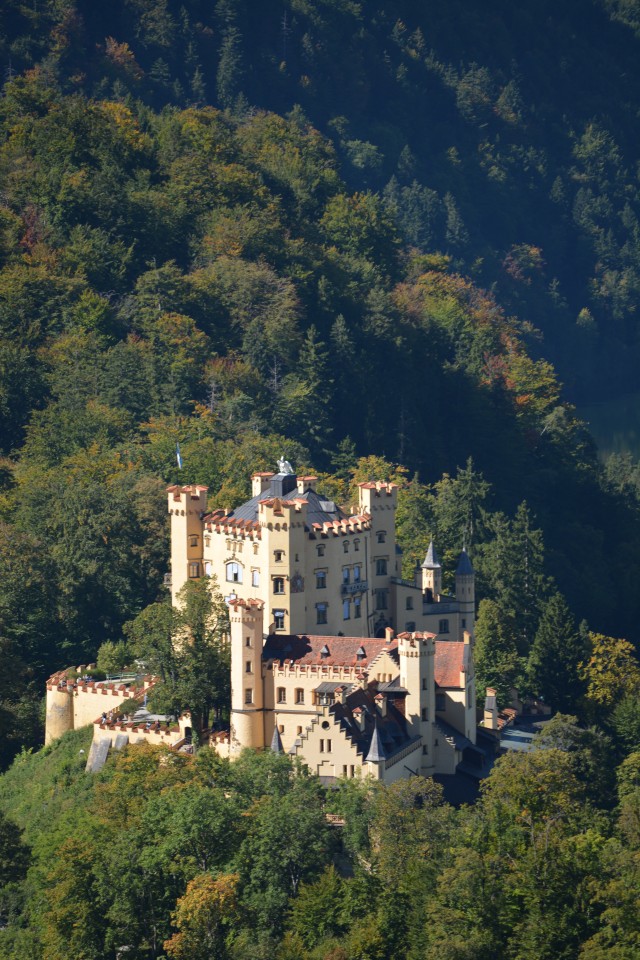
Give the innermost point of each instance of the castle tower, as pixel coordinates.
(466, 592)
(432, 574)
(380, 502)
(417, 656)
(247, 685)
(187, 506)
(59, 716)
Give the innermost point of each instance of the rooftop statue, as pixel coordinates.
(284, 466)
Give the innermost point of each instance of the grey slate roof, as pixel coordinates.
(461, 742)
(319, 510)
(464, 567)
(431, 561)
(376, 750)
(276, 742)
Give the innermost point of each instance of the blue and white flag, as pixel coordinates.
(178, 457)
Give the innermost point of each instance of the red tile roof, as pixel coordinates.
(449, 663)
(343, 651)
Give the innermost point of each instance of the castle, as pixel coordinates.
(335, 658)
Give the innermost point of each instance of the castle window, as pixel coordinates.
(356, 545)
(256, 547)
(328, 746)
(298, 731)
(344, 770)
(346, 574)
(356, 574)
(440, 701)
(322, 746)
(381, 536)
(443, 626)
(381, 599)
(207, 568)
(248, 667)
(346, 609)
(381, 568)
(234, 572)
(278, 584)
(248, 695)
(357, 608)
(278, 618)
(194, 569)
(345, 546)
(353, 770)
(207, 541)
(193, 540)
(255, 578)
(320, 549)
(281, 695)
(410, 626)
(409, 605)
(321, 613)
(424, 683)
(247, 642)
(425, 713)
(299, 695)
(321, 579)
(464, 624)
(278, 555)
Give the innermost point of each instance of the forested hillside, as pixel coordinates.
(191, 858)
(238, 228)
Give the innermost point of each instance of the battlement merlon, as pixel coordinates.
(373, 495)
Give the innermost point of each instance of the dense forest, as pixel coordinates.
(388, 241)
(162, 855)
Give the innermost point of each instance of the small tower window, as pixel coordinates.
(248, 695)
(320, 549)
(255, 578)
(234, 572)
(443, 626)
(346, 609)
(247, 642)
(193, 540)
(248, 667)
(278, 619)
(357, 608)
(381, 599)
(321, 613)
(409, 603)
(207, 541)
(345, 546)
(278, 555)
(194, 570)
(299, 695)
(356, 573)
(381, 536)
(346, 574)
(356, 545)
(381, 568)
(207, 568)
(278, 584)
(281, 695)
(321, 579)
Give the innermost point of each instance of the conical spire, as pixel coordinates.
(276, 742)
(376, 750)
(431, 561)
(464, 568)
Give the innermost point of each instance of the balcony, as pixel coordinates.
(360, 586)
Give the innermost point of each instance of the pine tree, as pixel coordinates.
(557, 651)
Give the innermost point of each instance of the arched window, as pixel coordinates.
(234, 572)
(345, 546)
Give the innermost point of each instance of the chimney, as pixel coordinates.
(259, 483)
(381, 703)
(490, 721)
(389, 634)
(306, 483)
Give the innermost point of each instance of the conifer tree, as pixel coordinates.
(557, 651)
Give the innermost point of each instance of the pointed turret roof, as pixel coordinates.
(464, 567)
(276, 742)
(376, 750)
(431, 560)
